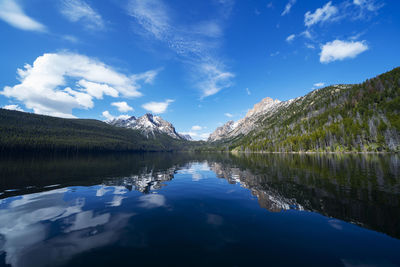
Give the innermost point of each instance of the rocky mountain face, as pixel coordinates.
(222, 132)
(231, 129)
(353, 117)
(149, 124)
(186, 137)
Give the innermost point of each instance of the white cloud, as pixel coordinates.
(13, 14)
(196, 128)
(310, 46)
(228, 115)
(207, 28)
(97, 89)
(320, 84)
(355, 10)
(356, 36)
(47, 86)
(290, 38)
(157, 107)
(79, 10)
(106, 114)
(152, 16)
(288, 7)
(306, 34)
(340, 50)
(146, 77)
(213, 79)
(325, 13)
(70, 38)
(13, 107)
(248, 91)
(193, 43)
(122, 106)
(370, 5)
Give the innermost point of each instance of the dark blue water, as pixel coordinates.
(203, 210)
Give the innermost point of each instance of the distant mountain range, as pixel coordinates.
(149, 125)
(355, 117)
(360, 117)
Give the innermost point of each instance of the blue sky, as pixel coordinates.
(195, 63)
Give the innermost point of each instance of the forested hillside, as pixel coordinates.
(361, 117)
(22, 131)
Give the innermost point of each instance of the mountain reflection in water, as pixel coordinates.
(54, 209)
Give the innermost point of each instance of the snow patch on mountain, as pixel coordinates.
(149, 125)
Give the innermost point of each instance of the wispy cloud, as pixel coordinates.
(79, 10)
(12, 13)
(356, 10)
(370, 5)
(248, 91)
(340, 50)
(196, 128)
(320, 15)
(288, 7)
(274, 54)
(290, 38)
(306, 34)
(56, 83)
(147, 77)
(229, 115)
(213, 79)
(310, 46)
(70, 38)
(157, 107)
(122, 106)
(193, 43)
(320, 84)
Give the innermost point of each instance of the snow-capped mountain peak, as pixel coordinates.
(148, 124)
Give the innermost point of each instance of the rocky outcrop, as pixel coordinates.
(267, 107)
(186, 137)
(222, 132)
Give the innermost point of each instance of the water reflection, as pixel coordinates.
(63, 207)
(28, 224)
(362, 189)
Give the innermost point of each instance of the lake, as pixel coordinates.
(186, 209)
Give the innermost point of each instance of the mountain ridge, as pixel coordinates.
(148, 124)
(247, 123)
(352, 117)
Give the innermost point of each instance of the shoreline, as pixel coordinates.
(318, 152)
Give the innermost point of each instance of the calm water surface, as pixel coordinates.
(200, 209)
